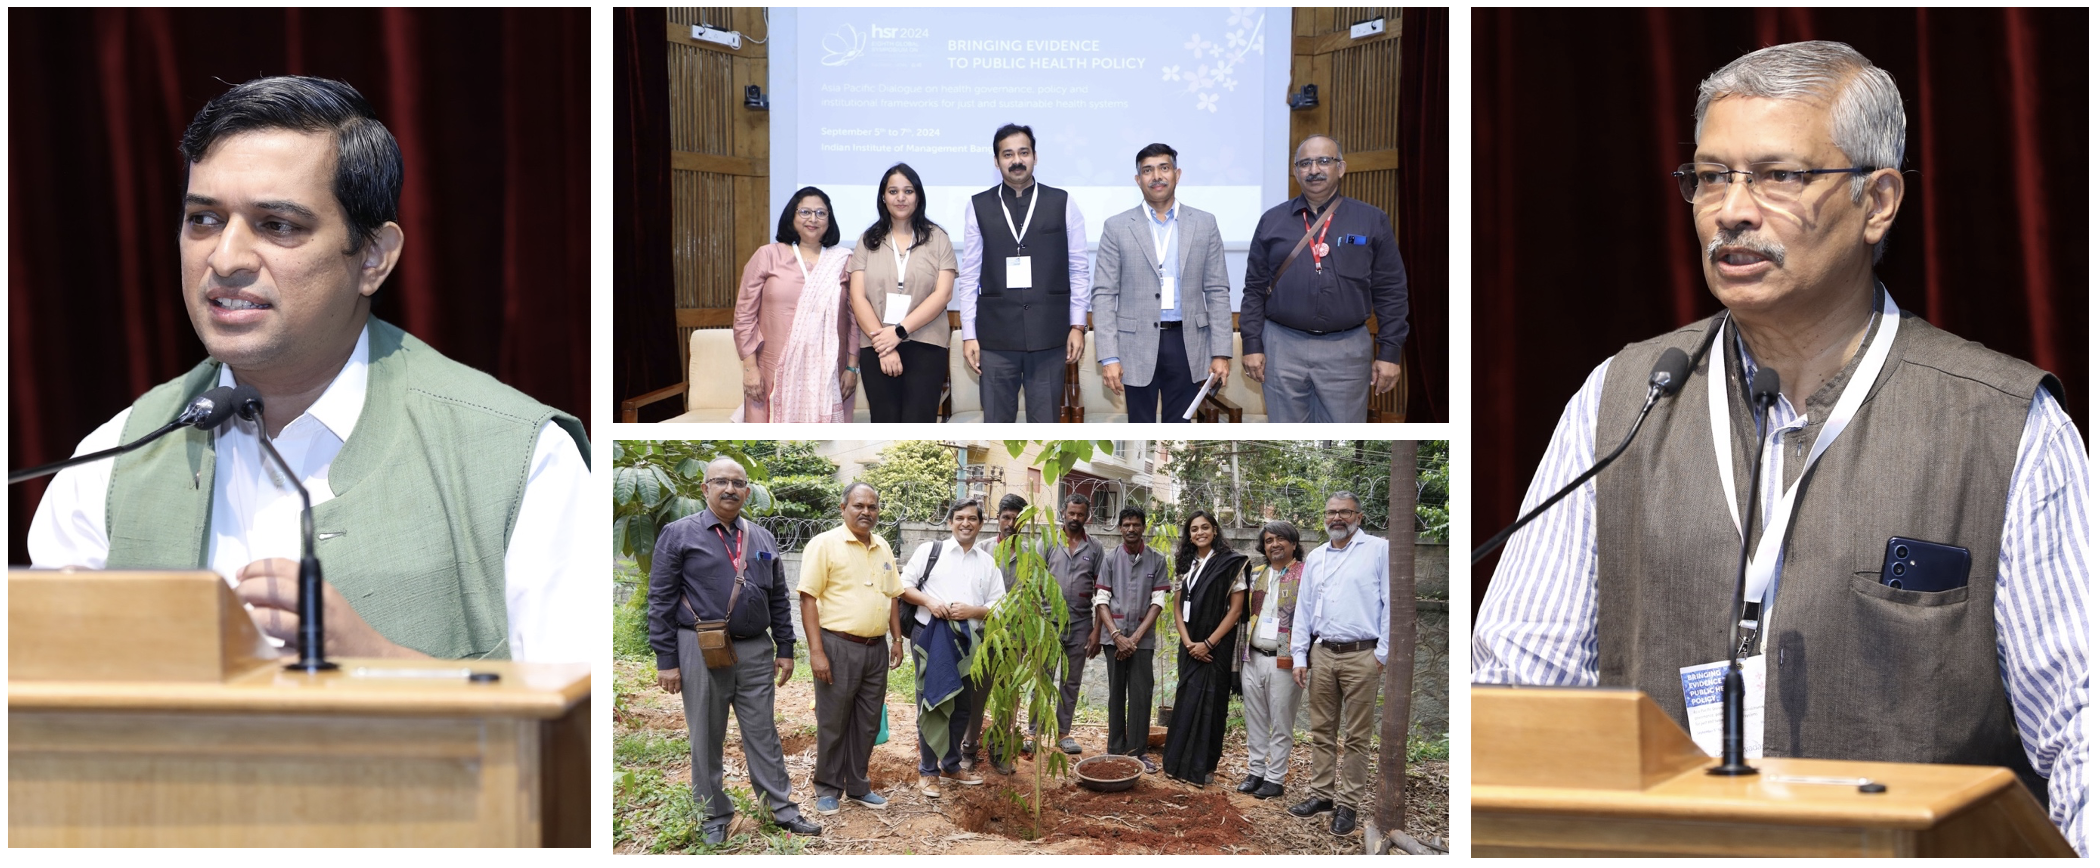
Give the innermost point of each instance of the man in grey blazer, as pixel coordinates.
(1162, 303)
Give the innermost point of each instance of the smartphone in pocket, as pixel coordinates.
(1916, 565)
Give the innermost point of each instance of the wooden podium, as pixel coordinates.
(145, 710)
(1603, 772)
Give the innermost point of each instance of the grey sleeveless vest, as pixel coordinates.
(1854, 669)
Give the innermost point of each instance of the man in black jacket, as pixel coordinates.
(700, 561)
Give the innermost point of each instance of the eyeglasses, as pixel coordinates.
(1774, 182)
(1341, 513)
(732, 483)
(1322, 162)
(807, 213)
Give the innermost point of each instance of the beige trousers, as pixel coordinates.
(1343, 689)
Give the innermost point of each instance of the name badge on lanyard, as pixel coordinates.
(1019, 271)
(1160, 246)
(899, 302)
(1763, 569)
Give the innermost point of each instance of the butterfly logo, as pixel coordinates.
(844, 46)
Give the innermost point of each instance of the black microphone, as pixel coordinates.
(1764, 392)
(206, 411)
(1664, 380)
(313, 655)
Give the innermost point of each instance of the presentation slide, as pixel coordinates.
(856, 90)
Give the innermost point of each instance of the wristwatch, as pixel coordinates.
(902, 335)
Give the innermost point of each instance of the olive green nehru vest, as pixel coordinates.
(427, 489)
(1854, 669)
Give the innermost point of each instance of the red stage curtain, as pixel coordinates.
(492, 110)
(1425, 194)
(645, 340)
(1581, 243)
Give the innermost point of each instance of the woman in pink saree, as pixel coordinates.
(793, 328)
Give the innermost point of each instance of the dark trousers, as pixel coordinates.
(1129, 701)
(912, 396)
(1170, 384)
(848, 712)
(1003, 374)
(958, 732)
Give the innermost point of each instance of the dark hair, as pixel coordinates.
(846, 496)
(1129, 511)
(787, 233)
(1285, 531)
(367, 160)
(1073, 498)
(1013, 502)
(961, 505)
(1009, 130)
(1155, 149)
(1186, 554)
(921, 228)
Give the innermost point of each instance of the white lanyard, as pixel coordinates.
(1032, 197)
(1764, 563)
(903, 260)
(796, 251)
(1161, 245)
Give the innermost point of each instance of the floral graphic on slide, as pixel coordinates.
(1243, 37)
(844, 46)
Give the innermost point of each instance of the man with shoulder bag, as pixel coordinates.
(720, 626)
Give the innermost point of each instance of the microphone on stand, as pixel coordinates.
(313, 655)
(1764, 391)
(207, 411)
(1664, 380)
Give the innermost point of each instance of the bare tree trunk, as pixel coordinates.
(1400, 644)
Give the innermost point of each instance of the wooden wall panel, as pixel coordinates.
(721, 209)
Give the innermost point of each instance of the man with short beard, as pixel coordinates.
(1075, 564)
(1889, 437)
(1128, 598)
(702, 561)
(1338, 648)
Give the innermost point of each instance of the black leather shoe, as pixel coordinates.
(1344, 822)
(1252, 783)
(800, 826)
(713, 835)
(1312, 807)
(1268, 790)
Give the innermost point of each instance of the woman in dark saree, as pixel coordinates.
(1210, 595)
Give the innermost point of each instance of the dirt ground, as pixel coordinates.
(1159, 815)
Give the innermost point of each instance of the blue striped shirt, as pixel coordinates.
(1538, 620)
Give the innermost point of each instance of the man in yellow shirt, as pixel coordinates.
(849, 586)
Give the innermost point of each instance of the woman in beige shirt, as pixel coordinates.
(902, 273)
(793, 329)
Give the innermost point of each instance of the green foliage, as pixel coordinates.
(915, 478)
(1434, 508)
(1023, 645)
(1058, 456)
(656, 482)
(647, 747)
(803, 484)
(631, 620)
(1420, 749)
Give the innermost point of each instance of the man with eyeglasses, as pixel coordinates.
(955, 583)
(1338, 650)
(1022, 287)
(1888, 437)
(702, 562)
(1162, 303)
(1319, 268)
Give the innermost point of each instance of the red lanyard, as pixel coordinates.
(1319, 245)
(736, 550)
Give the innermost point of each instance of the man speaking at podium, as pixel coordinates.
(1887, 434)
(443, 499)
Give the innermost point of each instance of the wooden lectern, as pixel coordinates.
(144, 709)
(1604, 772)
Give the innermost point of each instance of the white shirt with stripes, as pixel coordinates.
(1538, 619)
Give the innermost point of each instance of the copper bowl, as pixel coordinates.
(1109, 773)
(1158, 737)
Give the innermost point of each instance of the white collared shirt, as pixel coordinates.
(962, 576)
(253, 517)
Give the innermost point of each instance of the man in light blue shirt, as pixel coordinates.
(1338, 648)
(1162, 301)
